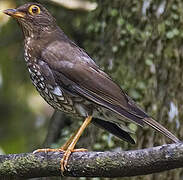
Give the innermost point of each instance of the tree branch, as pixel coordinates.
(94, 164)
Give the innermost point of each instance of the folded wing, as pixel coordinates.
(75, 70)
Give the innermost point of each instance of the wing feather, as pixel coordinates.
(74, 70)
(77, 71)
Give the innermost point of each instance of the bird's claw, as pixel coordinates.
(67, 153)
(48, 150)
(65, 158)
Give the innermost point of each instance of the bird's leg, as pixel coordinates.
(73, 142)
(69, 141)
(68, 147)
(63, 148)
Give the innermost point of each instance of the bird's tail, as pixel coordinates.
(154, 124)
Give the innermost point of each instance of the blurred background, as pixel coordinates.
(139, 43)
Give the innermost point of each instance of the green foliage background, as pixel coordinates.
(139, 43)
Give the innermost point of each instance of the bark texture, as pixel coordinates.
(93, 164)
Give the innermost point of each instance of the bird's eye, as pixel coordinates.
(33, 10)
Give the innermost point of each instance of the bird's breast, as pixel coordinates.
(54, 94)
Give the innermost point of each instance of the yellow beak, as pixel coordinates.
(14, 13)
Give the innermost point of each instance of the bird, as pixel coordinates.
(70, 81)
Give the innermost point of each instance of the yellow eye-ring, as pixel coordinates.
(33, 10)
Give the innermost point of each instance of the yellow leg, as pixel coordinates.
(68, 147)
(62, 148)
(71, 146)
(69, 141)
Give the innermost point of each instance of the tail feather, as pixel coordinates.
(154, 124)
(113, 129)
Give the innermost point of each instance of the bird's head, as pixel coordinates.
(32, 18)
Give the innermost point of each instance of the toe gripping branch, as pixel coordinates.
(68, 147)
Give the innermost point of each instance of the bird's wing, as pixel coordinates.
(84, 77)
(73, 69)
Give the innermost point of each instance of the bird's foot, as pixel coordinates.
(48, 150)
(65, 158)
(67, 153)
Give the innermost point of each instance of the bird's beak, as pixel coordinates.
(14, 13)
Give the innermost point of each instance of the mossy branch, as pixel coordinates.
(93, 164)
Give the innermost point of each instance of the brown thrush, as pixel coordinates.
(70, 81)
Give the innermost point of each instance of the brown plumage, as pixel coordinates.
(70, 81)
